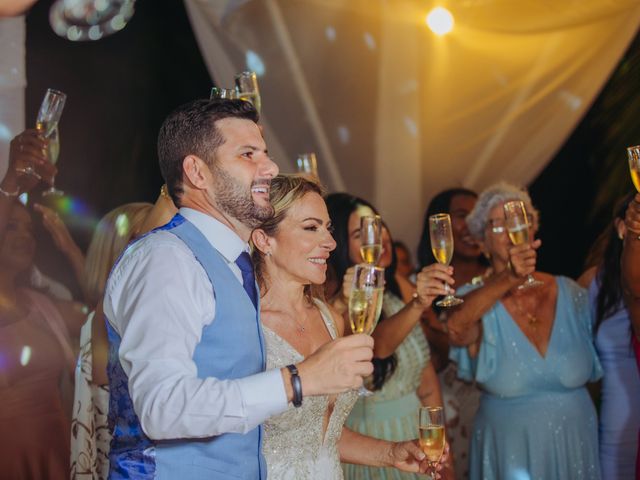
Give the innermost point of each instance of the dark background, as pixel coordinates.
(120, 89)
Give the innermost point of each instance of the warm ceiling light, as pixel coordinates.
(440, 21)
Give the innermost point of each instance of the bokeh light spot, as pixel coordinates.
(440, 21)
(25, 355)
(330, 33)
(122, 225)
(255, 63)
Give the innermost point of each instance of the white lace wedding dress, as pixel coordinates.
(294, 445)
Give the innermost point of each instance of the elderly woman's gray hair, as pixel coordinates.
(502, 192)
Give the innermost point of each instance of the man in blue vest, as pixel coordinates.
(187, 374)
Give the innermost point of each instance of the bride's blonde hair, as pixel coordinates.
(286, 189)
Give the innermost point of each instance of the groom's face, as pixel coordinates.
(242, 172)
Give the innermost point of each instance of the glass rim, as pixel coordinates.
(246, 73)
(435, 408)
(633, 147)
(56, 92)
(439, 216)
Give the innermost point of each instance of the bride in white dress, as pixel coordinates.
(290, 253)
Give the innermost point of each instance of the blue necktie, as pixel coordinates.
(248, 279)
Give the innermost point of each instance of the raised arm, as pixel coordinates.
(631, 263)
(430, 283)
(26, 153)
(62, 239)
(464, 321)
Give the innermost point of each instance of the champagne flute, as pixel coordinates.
(47, 125)
(365, 302)
(634, 165)
(307, 163)
(218, 93)
(517, 224)
(441, 237)
(371, 238)
(247, 85)
(432, 435)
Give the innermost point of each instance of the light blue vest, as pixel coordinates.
(231, 347)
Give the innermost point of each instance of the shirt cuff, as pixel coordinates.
(263, 396)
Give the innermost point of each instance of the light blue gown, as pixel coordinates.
(536, 419)
(620, 401)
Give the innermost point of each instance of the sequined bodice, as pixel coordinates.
(294, 445)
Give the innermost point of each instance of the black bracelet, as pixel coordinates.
(296, 384)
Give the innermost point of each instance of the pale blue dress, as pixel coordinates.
(620, 400)
(536, 419)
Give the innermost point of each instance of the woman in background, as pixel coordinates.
(35, 334)
(460, 397)
(532, 353)
(619, 419)
(90, 436)
(404, 377)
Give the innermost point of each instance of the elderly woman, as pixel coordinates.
(531, 351)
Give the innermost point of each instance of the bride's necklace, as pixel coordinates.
(299, 327)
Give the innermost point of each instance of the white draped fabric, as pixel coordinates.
(12, 84)
(396, 113)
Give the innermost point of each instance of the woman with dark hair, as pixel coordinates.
(460, 398)
(620, 395)
(404, 377)
(631, 281)
(36, 353)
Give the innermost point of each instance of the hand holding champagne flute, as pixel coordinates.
(441, 237)
(517, 224)
(47, 126)
(371, 238)
(432, 434)
(365, 301)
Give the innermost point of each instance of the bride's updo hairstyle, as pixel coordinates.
(286, 190)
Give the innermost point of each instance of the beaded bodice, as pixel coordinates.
(295, 445)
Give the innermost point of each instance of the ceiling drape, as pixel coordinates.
(396, 113)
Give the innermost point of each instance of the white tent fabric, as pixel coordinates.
(12, 84)
(396, 113)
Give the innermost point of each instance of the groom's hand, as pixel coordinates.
(337, 366)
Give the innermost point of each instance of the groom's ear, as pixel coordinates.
(261, 240)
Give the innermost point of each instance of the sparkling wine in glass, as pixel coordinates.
(441, 237)
(371, 238)
(308, 164)
(218, 93)
(634, 165)
(432, 434)
(518, 227)
(247, 86)
(47, 125)
(365, 302)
